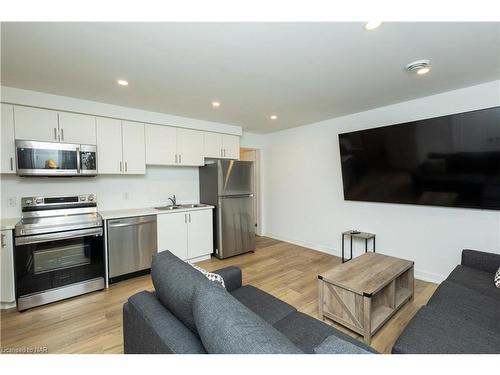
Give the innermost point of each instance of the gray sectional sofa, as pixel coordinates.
(187, 313)
(463, 315)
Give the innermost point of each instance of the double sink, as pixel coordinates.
(179, 206)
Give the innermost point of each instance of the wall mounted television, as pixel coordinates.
(451, 161)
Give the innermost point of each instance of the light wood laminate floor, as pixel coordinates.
(93, 323)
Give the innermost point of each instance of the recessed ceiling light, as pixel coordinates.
(420, 67)
(215, 104)
(372, 25)
(273, 117)
(122, 82)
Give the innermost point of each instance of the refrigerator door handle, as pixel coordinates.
(236, 196)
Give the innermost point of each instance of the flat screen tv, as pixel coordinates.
(451, 161)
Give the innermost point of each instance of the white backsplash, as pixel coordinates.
(113, 191)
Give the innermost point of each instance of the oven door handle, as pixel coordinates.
(58, 236)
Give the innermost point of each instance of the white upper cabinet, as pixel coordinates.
(230, 146)
(167, 145)
(190, 147)
(8, 151)
(213, 145)
(221, 146)
(161, 144)
(35, 124)
(120, 147)
(109, 146)
(77, 128)
(134, 153)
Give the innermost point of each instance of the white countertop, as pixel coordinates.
(131, 212)
(9, 223)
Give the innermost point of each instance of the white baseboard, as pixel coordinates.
(7, 305)
(199, 259)
(419, 274)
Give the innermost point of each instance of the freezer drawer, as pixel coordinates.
(132, 242)
(236, 226)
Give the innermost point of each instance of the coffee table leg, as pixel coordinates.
(320, 299)
(367, 326)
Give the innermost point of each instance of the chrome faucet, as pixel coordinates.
(173, 200)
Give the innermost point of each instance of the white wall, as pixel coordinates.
(303, 195)
(143, 191)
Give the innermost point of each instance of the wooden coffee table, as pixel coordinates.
(365, 292)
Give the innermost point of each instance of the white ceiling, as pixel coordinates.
(302, 72)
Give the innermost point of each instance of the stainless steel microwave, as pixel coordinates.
(35, 158)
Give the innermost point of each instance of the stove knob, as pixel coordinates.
(83, 198)
(38, 200)
(91, 198)
(28, 201)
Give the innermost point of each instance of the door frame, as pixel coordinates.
(257, 187)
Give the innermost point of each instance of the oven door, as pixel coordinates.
(54, 260)
(88, 160)
(46, 158)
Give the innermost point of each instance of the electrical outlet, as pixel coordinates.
(11, 202)
(125, 195)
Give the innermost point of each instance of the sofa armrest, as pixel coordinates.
(481, 260)
(150, 328)
(231, 276)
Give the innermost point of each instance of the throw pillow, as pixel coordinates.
(497, 278)
(209, 275)
(226, 326)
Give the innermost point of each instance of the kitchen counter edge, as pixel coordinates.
(132, 212)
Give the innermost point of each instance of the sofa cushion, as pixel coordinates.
(432, 331)
(466, 304)
(334, 345)
(307, 332)
(226, 326)
(175, 282)
(474, 279)
(268, 307)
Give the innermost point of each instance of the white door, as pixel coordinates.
(200, 233)
(76, 128)
(8, 152)
(161, 144)
(172, 233)
(231, 146)
(213, 145)
(109, 146)
(190, 147)
(35, 124)
(134, 152)
(7, 293)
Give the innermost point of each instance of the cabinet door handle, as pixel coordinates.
(189, 217)
(185, 218)
(120, 166)
(62, 134)
(3, 241)
(126, 167)
(221, 153)
(180, 158)
(55, 134)
(175, 158)
(11, 163)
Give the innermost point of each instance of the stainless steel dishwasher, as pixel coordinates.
(131, 245)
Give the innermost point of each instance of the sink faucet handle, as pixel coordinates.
(173, 200)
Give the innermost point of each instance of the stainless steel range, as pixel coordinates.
(59, 249)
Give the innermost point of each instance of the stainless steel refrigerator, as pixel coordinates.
(228, 185)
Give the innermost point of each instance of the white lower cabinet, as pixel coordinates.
(7, 293)
(187, 235)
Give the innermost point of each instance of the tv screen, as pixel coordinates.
(451, 161)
